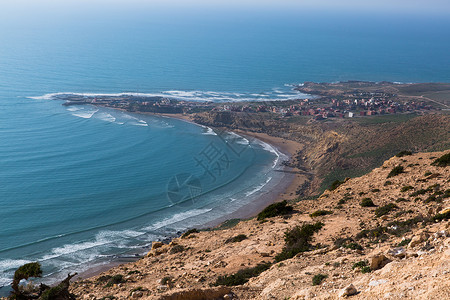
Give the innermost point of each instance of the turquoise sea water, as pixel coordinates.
(82, 184)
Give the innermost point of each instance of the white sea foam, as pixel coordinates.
(258, 188)
(238, 139)
(196, 95)
(9, 264)
(85, 114)
(177, 218)
(209, 131)
(105, 117)
(73, 108)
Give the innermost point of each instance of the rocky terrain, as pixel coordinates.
(383, 235)
(344, 148)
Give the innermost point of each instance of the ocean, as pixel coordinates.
(82, 185)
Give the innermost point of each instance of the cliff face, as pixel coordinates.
(386, 234)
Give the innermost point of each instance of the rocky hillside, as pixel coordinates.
(343, 147)
(383, 235)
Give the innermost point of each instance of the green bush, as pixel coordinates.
(318, 278)
(189, 232)
(384, 210)
(116, 279)
(275, 209)
(401, 200)
(335, 185)
(396, 171)
(404, 242)
(367, 202)
(319, 213)
(443, 161)
(242, 276)
(360, 264)
(406, 188)
(298, 240)
(236, 239)
(403, 153)
(419, 192)
(366, 269)
(441, 217)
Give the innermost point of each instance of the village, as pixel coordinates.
(347, 105)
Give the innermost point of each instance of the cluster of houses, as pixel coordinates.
(364, 104)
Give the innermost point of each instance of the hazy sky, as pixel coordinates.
(394, 6)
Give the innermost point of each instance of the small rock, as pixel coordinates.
(162, 288)
(417, 239)
(398, 252)
(378, 261)
(228, 296)
(137, 294)
(348, 291)
(442, 233)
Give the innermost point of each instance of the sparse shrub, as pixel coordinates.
(189, 232)
(116, 279)
(167, 280)
(401, 200)
(406, 188)
(441, 217)
(396, 171)
(242, 276)
(375, 190)
(134, 272)
(427, 173)
(366, 269)
(335, 185)
(320, 212)
(275, 209)
(360, 264)
(318, 278)
(236, 239)
(361, 193)
(443, 161)
(378, 233)
(404, 242)
(384, 210)
(348, 243)
(418, 192)
(403, 153)
(177, 249)
(298, 240)
(388, 182)
(367, 202)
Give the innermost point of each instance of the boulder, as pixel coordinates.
(417, 239)
(378, 261)
(348, 291)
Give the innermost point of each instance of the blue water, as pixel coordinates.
(82, 184)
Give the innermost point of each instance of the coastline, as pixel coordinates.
(285, 190)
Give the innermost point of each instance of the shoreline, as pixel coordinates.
(285, 190)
